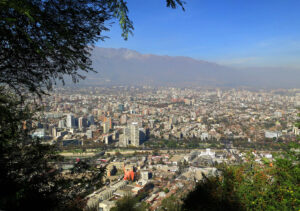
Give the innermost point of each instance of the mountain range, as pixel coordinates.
(127, 67)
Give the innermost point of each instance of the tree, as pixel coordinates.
(29, 177)
(155, 152)
(41, 42)
(298, 125)
(209, 195)
(129, 203)
(27, 171)
(251, 186)
(118, 154)
(44, 40)
(83, 179)
(171, 203)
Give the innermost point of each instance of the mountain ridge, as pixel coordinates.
(128, 67)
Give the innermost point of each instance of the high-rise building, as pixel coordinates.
(61, 123)
(91, 120)
(70, 121)
(76, 122)
(142, 135)
(82, 122)
(108, 139)
(54, 134)
(124, 138)
(126, 132)
(131, 135)
(108, 119)
(134, 134)
(105, 127)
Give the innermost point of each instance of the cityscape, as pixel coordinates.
(161, 141)
(152, 105)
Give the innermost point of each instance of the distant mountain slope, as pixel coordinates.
(123, 66)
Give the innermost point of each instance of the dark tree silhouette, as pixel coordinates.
(212, 194)
(44, 40)
(27, 173)
(41, 41)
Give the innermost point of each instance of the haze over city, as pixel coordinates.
(226, 44)
(127, 67)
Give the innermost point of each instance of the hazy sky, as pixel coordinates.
(232, 32)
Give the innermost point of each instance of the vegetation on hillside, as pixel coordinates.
(251, 186)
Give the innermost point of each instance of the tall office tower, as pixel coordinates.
(82, 123)
(61, 123)
(134, 134)
(91, 120)
(124, 139)
(105, 127)
(76, 122)
(54, 132)
(126, 132)
(108, 119)
(70, 121)
(108, 139)
(142, 133)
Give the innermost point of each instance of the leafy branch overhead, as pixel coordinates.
(42, 41)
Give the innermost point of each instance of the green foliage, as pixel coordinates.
(166, 190)
(120, 12)
(85, 179)
(173, 3)
(42, 41)
(251, 186)
(298, 125)
(155, 152)
(174, 144)
(118, 154)
(171, 203)
(213, 194)
(29, 177)
(129, 203)
(27, 171)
